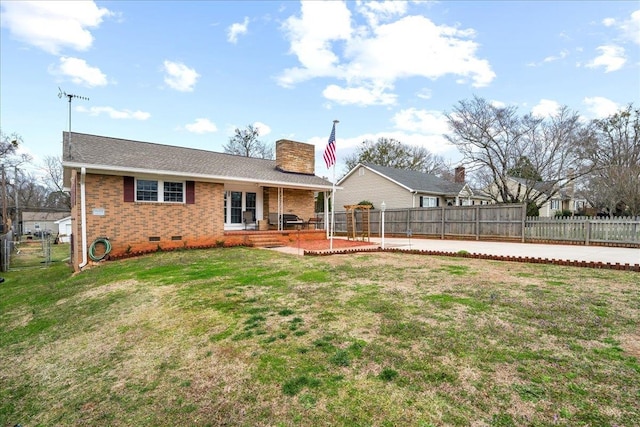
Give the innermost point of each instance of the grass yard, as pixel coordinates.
(251, 337)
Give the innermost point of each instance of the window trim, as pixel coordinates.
(160, 191)
(434, 198)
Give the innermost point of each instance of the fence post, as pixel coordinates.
(477, 214)
(442, 224)
(587, 233)
(524, 219)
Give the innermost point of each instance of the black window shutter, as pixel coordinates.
(129, 189)
(191, 192)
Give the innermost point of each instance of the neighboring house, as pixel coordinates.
(144, 196)
(400, 188)
(64, 229)
(565, 200)
(41, 221)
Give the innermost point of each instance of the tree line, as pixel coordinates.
(22, 189)
(513, 158)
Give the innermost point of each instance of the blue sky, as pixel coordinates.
(188, 73)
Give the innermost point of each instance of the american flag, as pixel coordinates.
(330, 151)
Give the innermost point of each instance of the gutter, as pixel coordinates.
(83, 210)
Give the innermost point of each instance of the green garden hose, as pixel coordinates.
(92, 248)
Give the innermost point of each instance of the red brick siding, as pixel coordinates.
(128, 225)
(299, 202)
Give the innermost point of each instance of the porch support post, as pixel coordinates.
(326, 213)
(280, 207)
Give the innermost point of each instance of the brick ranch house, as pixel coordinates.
(144, 196)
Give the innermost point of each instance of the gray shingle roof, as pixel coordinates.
(540, 186)
(115, 154)
(419, 181)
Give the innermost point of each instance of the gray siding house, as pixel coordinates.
(400, 188)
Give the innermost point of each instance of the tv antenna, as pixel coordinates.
(70, 96)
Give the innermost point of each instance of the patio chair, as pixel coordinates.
(248, 218)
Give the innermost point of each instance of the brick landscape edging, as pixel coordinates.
(531, 260)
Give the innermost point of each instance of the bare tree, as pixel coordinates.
(245, 143)
(498, 145)
(32, 194)
(9, 145)
(614, 151)
(53, 179)
(393, 153)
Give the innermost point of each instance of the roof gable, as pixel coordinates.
(415, 181)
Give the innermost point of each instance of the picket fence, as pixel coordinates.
(587, 230)
(496, 222)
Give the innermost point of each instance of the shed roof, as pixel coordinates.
(43, 215)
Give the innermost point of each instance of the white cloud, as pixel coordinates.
(263, 129)
(424, 93)
(376, 11)
(377, 55)
(421, 121)
(601, 107)
(80, 72)
(114, 114)
(359, 95)
(552, 58)
(545, 108)
(311, 39)
(611, 58)
(201, 126)
(179, 76)
(53, 25)
(237, 29)
(629, 28)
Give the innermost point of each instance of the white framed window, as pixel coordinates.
(149, 190)
(428, 202)
(555, 204)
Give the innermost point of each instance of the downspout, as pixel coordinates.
(83, 210)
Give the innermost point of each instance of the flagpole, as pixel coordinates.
(333, 199)
(333, 206)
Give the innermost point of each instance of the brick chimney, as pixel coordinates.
(459, 175)
(296, 157)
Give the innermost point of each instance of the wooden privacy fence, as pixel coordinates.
(461, 222)
(497, 222)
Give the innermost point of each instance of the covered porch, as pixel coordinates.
(261, 207)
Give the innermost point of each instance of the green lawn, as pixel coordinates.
(251, 337)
